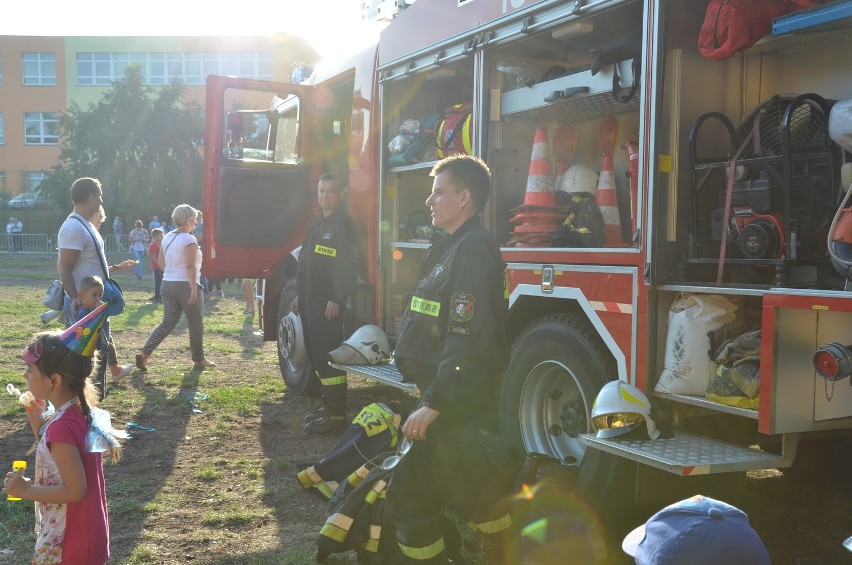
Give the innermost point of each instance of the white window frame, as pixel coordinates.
(41, 128)
(161, 68)
(32, 182)
(38, 68)
(2, 129)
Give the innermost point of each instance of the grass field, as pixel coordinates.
(210, 485)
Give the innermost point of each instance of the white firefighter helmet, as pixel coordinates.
(367, 346)
(579, 178)
(621, 408)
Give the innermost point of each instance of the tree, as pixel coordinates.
(141, 142)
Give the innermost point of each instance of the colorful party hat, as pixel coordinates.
(83, 336)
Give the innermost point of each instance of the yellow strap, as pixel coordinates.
(423, 553)
(323, 250)
(428, 307)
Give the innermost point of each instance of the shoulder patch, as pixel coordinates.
(461, 307)
(439, 272)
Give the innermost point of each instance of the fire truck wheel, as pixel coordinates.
(557, 367)
(292, 355)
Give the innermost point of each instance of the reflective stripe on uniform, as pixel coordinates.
(375, 492)
(327, 488)
(330, 381)
(423, 553)
(493, 526)
(372, 544)
(309, 477)
(337, 527)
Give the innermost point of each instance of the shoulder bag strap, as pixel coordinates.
(101, 254)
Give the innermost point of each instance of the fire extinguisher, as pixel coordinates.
(633, 175)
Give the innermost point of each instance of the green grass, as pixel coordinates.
(202, 481)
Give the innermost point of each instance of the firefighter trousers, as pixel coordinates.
(461, 468)
(321, 337)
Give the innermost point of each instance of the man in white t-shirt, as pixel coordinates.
(80, 249)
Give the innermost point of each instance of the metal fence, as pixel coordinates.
(46, 244)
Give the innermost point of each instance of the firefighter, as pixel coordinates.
(326, 277)
(453, 345)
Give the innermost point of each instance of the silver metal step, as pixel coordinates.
(385, 373)
(688, 454)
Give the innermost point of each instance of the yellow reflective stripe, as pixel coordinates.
(330, 381)
(337, 527)
(423, 553)
(309, 477)
(428, 307)
(493, 526)
(376, 492)
(326, 489)
(304, 480)
(371, 545)
(323, 250)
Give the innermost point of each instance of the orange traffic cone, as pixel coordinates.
(607, 201)
(540, 191)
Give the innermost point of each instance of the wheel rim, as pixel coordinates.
(291, 343)
(553, 410)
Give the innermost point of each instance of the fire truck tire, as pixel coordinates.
(558, 365)
(292, 355)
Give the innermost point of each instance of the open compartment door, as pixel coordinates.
(257, 173)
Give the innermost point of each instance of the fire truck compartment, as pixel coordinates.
(688, 454)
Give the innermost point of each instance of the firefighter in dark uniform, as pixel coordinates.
(453, 345)
(326, 277)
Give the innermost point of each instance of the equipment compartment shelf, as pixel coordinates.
(572, 98)
(413, 167)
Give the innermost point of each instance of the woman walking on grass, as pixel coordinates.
(180, 259)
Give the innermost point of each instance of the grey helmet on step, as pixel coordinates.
(367, 346)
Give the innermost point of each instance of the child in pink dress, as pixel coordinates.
(68, 486)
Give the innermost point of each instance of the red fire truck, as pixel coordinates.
(718, 178)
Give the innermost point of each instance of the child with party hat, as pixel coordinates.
(68, 485)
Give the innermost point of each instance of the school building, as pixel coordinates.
(40, 77)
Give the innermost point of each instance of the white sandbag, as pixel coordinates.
(687, 364)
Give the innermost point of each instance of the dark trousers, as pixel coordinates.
(458, 467)
(158, 283)
(321, 337)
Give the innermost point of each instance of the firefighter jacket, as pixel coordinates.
(453, 341)
(328, 261)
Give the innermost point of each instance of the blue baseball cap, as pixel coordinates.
(698, 531)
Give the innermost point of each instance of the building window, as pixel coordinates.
(33, 181)
(2, 181)
(41, 128)
(1, 70)
(39, 69)
(103, 69)
(2, 129)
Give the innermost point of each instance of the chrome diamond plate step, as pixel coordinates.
(386, 373)
(689, 454)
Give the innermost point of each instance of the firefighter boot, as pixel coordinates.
(333, 420)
